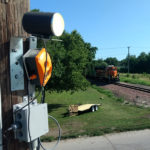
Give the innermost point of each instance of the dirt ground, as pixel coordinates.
(130, 95)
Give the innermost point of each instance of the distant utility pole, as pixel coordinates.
(128, 59)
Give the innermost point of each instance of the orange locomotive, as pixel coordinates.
(110, 73)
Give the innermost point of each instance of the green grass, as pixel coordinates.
(112, 116)
(143, 79)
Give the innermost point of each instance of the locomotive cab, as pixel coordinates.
(110, 73)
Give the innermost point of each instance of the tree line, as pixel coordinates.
(74, 61)
(137, 64)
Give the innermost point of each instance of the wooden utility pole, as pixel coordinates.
(128, 59)
(11, 12)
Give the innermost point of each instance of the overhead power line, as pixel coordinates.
(124, 47)
(128, 57)
(113, 47)
(140, 47)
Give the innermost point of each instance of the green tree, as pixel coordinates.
(100, 63)
(70, 59)
(133, 63)
(35, 10)
(142, 63)
(111, 61)
(138, 64)
(148, 63)
(90, 67)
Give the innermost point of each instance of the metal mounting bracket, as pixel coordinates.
(16, 64)
(32, 42)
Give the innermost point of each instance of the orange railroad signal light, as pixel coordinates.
(38, 66)
(44, 66)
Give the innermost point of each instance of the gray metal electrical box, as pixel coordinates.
(38, 121)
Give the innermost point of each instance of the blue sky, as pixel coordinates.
(110, 25)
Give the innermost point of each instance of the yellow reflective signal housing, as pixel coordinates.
(38, 66)
(43, 62)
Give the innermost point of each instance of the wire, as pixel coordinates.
(59, 134)
(10, 114)
(113, 146)
(43, 89)
(58, 40)
(46, 61)
(42, 101)
(141, 47)
(42, 98)
(112, 47)
(43, 95)
(29, 102)
(29, 124)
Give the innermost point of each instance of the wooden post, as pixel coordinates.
(11, 12)
(0, 121)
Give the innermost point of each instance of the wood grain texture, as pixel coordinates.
(11, 12)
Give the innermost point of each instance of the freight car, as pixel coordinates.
(109, 73)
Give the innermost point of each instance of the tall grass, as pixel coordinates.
(143, 79)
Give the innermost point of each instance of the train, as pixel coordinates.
(110, 73)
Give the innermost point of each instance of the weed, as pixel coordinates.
(120, 100)
(127, 75)
(133, 76)
(47, 138)
(103, 91)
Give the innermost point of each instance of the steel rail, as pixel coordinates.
(133, 87)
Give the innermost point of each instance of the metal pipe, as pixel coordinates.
(34, 145)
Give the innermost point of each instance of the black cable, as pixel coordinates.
(43, 95)
(59, 135)
(29, 124)
(42, 99)
(10, 114)
(29, 102)
(43, 89)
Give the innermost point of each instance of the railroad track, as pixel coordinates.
(133, 87)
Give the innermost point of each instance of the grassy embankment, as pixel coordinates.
(112, 116)
(143, 79)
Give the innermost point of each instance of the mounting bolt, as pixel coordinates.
(13, 50)
(16, 76)
(25, 98)
(33, 39)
